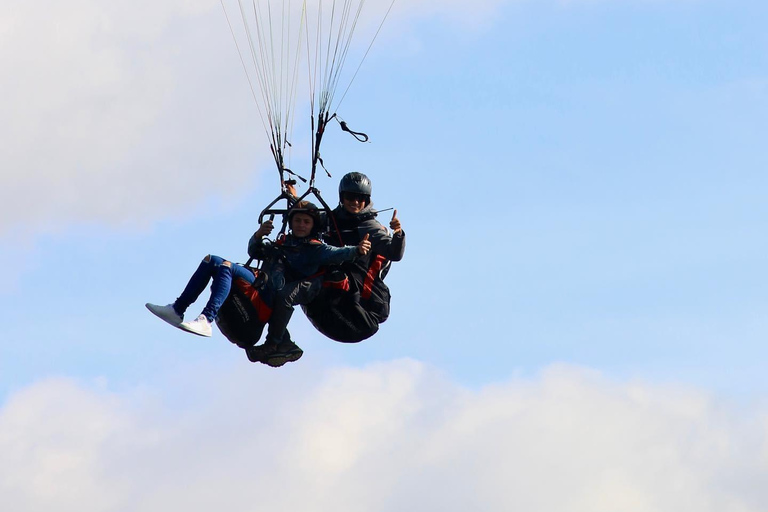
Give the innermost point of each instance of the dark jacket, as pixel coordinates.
(353, 227)
(297, 258)
(354, 313)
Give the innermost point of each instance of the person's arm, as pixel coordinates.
(391, 247)
(329, 255)
(257, 245)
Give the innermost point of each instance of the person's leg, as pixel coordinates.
(222, 272)
(282, 310)
(240, 272)
(174, 313)
(197, 283)
(278, 348)
(225, 272)
(292, 294)
(284, 350)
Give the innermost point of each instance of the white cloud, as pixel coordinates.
(115, 112)
(392, 436)
(118, 112)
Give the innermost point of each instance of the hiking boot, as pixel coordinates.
(166, 313)
(200, 326)
(285, 352)
(260, 353)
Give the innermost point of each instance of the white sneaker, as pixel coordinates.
(167, 313)
(200, 326)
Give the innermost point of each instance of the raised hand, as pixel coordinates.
(364, 246)
(265, 229)
(395, 223)
(290, 188)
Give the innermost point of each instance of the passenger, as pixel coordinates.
(293, 277)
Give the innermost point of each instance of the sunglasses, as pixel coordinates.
(349, 196)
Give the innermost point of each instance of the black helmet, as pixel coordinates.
(310, 209)
(355, 183)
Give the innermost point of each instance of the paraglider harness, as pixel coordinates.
(349, 307)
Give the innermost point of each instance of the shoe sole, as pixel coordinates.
(255, 359)
(174, 322)
(187, 329)
(278, 360)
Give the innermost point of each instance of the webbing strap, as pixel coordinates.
(370, 277)
(358, 135)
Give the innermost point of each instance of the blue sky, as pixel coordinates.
(582, 185)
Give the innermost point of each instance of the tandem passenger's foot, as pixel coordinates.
(200, 326)
(166, 313)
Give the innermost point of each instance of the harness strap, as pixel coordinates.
(370, 277)
(263, 310)
(303, 180)
(342, 285)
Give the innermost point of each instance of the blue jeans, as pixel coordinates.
(212, 267)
